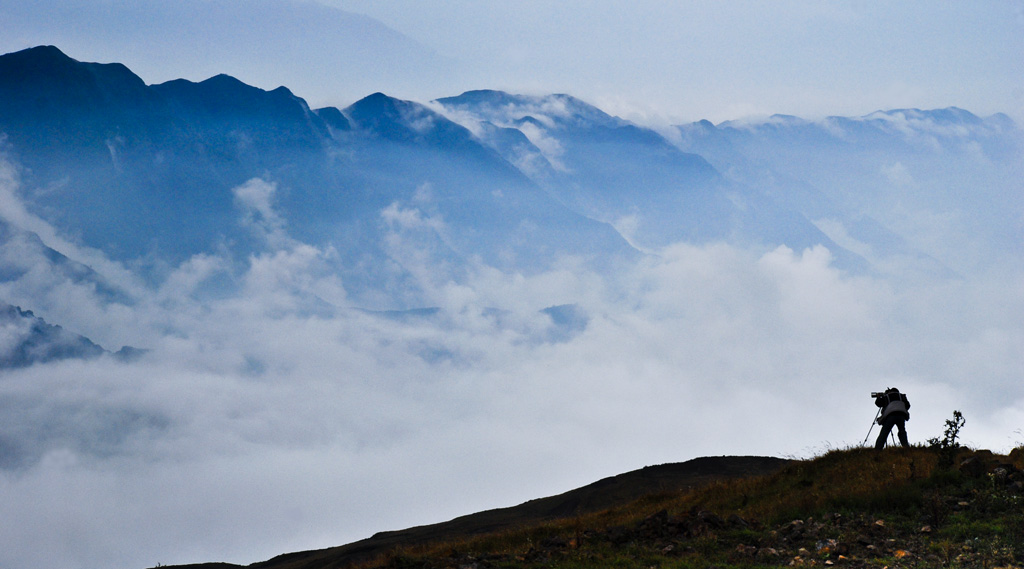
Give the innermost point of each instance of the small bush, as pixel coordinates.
(949, 444)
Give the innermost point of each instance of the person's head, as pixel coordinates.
(892, 390)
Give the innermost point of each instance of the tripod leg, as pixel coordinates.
(873, 421)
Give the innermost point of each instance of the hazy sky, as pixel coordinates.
(649, 60)
(717, 60)
(253, 429)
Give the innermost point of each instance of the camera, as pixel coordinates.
(877, 394)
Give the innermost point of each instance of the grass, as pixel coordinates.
(853, 507)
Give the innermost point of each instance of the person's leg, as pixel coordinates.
(902, 432)
(884, 434)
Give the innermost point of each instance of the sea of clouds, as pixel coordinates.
(280, 417)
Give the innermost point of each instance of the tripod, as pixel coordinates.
(875, 422)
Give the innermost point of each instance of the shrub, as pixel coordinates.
(948, 445)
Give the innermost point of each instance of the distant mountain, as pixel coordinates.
(26, 339)
(435, 167)
(325, 53)
(136, 169)
(632, 177)
(150, 173)
(925, 186)
(23, 253)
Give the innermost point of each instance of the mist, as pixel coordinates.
(279, 416)
(282, 403)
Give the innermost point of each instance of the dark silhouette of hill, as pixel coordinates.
(604, 494)
(928, 507)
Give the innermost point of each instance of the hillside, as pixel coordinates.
(849, 508)
(600, 496)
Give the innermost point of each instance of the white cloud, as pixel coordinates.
(549, 146)
(898, 175)
(337, 425)
(410, 218)
(255, 198)
(14, 212)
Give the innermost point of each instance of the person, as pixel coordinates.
(895, 412)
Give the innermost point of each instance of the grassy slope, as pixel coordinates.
(596, 497)
(847, 508)
(852, 508)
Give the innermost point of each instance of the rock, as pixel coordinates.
(813, 529)
(711, 519)
(619, 535)
(1016, 456)
(794, 528)
(746, 550)
(736, 521)
(826, 546)
(1001, 474)
(656, 525)
(973, 466)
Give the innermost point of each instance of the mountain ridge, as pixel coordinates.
(177, 149)
(27, 339)
(151, 175)
(182, 161)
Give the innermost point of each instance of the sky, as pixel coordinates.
(685, 61)
(648, 61)
(256, 426)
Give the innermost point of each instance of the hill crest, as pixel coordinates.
(916, 507)
(611, 492)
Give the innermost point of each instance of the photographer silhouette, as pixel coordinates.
(894, 410)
